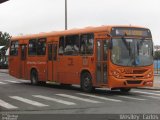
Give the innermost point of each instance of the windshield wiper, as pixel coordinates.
(140, 45)
(126, 45)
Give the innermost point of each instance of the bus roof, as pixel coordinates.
(71, 31)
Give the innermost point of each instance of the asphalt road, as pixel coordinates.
(20, 97)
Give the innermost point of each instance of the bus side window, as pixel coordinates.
(72, 45)
(14, 48)
(86, 43)
(61, 46)
(41, 46)
(32, 49)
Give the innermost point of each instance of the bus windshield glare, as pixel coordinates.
(132, 52)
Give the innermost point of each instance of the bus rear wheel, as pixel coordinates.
(66, 85)
(42, 82)
(86, 82)
(125, 90)
(34, 77)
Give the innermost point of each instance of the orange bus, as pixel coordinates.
(114, 57)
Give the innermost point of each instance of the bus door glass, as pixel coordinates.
(23, 51)
(52, 62)
(101, 61)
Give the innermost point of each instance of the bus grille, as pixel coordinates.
(139, 71)
(134, 81)
(134, 77)
(136, 71)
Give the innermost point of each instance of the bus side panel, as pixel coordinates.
(88, 64)
(42, 68)
(14, 59)
(38, 63)
(68, 69)
(14, 66)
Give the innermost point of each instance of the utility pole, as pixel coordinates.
(65, 14)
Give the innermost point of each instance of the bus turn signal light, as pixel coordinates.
(149, 75)
(149, 83)
(116, 74)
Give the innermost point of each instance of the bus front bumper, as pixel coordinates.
(130, 83)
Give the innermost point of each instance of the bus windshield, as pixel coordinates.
(132, 52)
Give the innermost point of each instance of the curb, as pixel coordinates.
(4, 71)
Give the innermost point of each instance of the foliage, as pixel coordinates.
(4, 39)
(157, 55)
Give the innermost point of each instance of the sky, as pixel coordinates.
(19, 17)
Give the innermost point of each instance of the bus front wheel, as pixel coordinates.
(34, 77)
(86, 82)
(125, 90)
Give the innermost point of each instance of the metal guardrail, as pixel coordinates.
(157, 66)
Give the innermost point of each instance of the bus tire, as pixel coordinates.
(86, 82)
(66, 85)
(125, 90)
(34, 77)
(42, 82)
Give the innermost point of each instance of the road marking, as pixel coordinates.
(78, 98)
(146, 93)
(11, 81)
(155, 91)
(155, 97)
(3, 83)
(55, 100)
(128, 97)
(7, 105)
(102, 98)
(28, 101)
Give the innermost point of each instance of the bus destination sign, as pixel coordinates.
(119, 31)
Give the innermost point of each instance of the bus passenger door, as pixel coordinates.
(101, 61)
(52, 62)
(23, 49)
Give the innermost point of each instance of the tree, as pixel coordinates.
(4, 39)
(157, 55)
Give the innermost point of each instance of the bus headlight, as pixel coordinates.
(116, 74)
(149, 75)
